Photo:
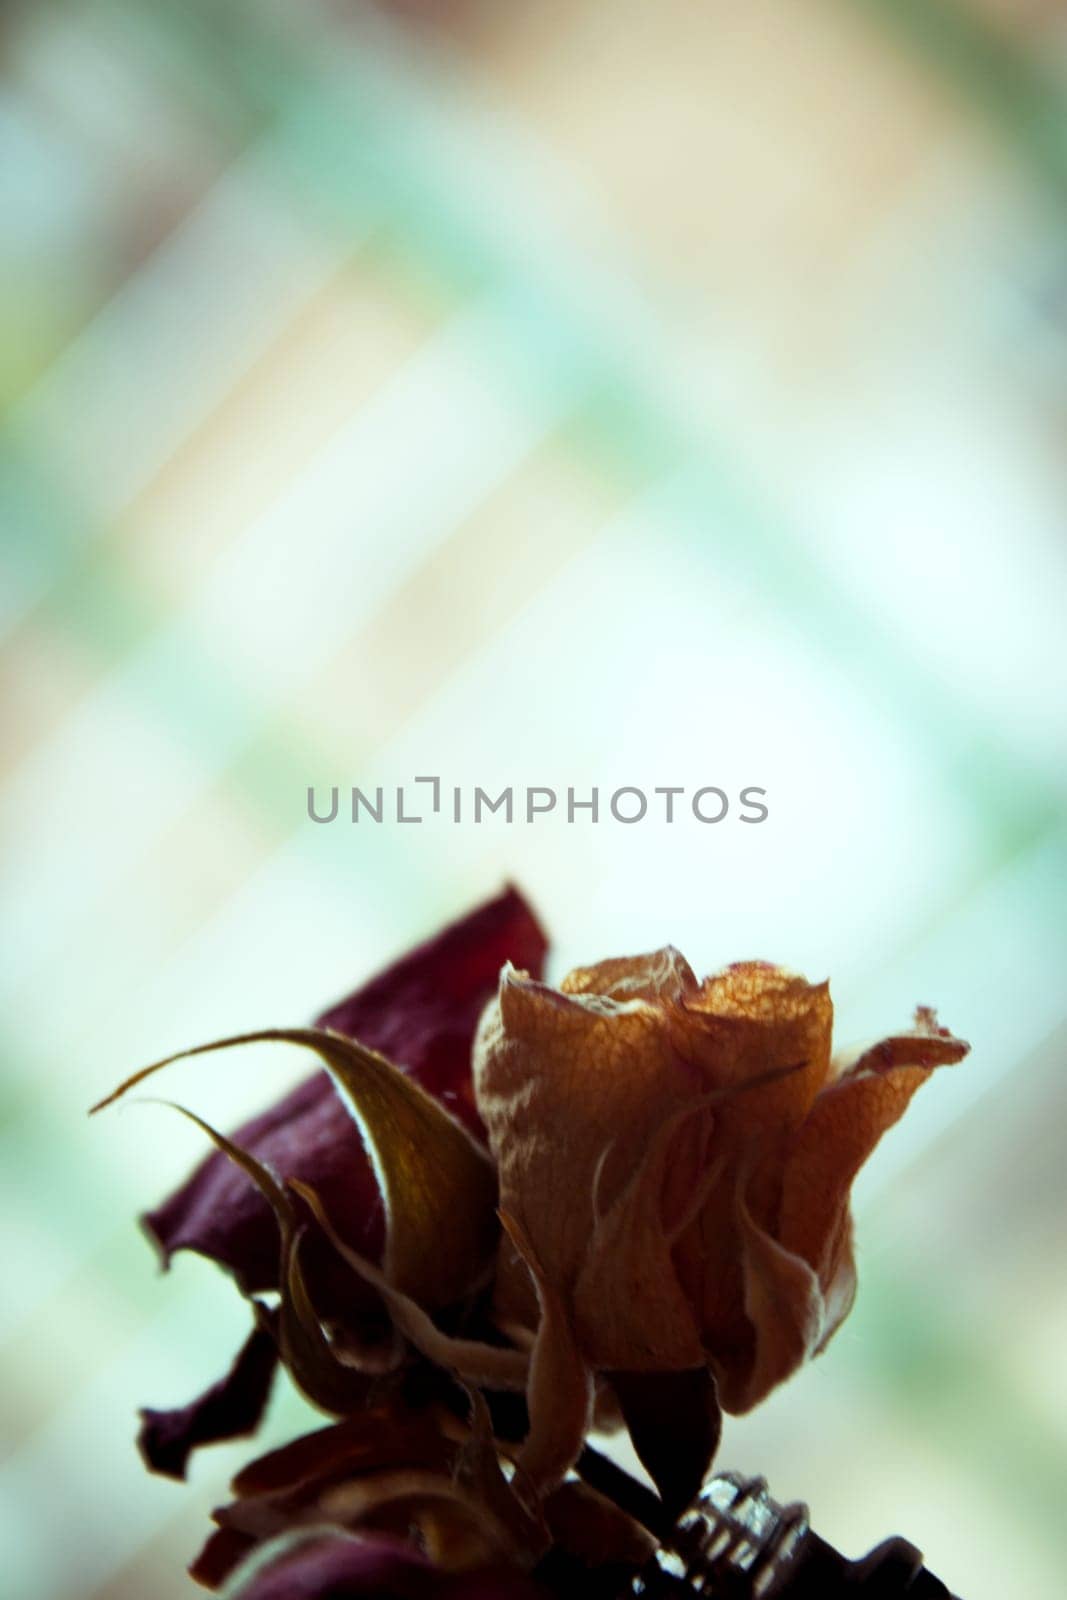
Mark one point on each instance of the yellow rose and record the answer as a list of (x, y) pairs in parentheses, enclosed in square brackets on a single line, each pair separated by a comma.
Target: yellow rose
[(678, 1158)]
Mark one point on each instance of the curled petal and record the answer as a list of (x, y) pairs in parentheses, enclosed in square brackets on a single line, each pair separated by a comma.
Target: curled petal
[(388, 1433), (217, 1213), (423, 1159), (421, 1013), (471, 1359), (631, 1312), (329, 1383), (559, 1392), (784, 1306), (843, 1127), (394, 1470), (288, 1486), (455, 1529), (231, 1407), (220, 1557)]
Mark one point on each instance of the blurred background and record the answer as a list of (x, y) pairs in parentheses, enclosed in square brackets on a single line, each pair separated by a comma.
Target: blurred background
[(535, 393)]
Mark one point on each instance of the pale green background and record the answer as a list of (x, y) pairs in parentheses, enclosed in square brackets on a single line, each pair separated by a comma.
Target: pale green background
[(536, 393)]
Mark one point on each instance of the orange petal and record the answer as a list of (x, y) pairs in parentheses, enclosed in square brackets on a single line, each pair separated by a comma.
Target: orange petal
[(784, 1305), (559, 1396), (661, 975), (768, 1018), (844, 1125), (571, 1087), (631, 1312)]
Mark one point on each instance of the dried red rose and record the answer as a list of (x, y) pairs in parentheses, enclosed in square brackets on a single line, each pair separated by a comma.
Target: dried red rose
[(421, 1013)]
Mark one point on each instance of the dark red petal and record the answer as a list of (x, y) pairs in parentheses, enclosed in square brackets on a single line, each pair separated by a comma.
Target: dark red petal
[(220, 1214), (340, 1566), (279, 1486), (343, 1566), (231, 1407), (388, 1434), (224, 1550), (421, 1013)]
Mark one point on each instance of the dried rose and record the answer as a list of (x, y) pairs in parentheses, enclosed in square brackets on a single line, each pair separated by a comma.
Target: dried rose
[(675, 1159), (421, 1013)]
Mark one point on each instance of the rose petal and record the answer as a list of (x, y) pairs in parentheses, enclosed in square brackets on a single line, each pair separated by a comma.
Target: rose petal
[(283, 1487), (680, 1157), (661, 975), (217, 1213), (397, 1468), (422, 1013), (839, 1133), (630, 1309), (425, 1161), (333, 1565), (221, 1555), (330, 1564), (303, 1346), (569, 1086), (785, 1310), (390, 1433), (559, 1393), (759, 1017), (231, 1407)]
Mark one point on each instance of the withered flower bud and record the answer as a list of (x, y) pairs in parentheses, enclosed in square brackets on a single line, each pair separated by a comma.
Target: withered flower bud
[(679, 1156)]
